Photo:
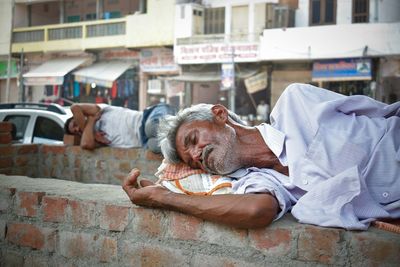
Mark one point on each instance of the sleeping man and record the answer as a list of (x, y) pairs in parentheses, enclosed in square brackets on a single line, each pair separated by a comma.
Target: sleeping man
[(331, 160)]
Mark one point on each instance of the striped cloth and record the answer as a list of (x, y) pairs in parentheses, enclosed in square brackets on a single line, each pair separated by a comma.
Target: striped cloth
[(171, 172)]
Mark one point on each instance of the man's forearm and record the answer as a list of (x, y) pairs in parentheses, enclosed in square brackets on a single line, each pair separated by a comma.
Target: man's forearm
[(88, 141), (242, 211), (82, 111)]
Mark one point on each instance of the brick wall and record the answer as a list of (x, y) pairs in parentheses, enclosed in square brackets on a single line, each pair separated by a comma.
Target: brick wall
[(55, 222), (104, 165), (50, 222)]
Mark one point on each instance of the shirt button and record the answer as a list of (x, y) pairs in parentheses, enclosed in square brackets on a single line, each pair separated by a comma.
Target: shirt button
[(305, 181), (385, 194)]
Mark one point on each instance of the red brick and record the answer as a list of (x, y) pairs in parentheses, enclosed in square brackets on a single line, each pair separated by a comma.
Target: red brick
[(77, 245), (108, 249), (27, 149), (5, 138), (56, 149), (21, 161), (28, 203), (5, 127), (29, 235), (120, 153), (54, 209), (6, 151), (149, 256), (185, 227), (133, 153), (377, 249), (318, 244), (153, 156), (275, 241), (83, 213), (124, 167), (6, 162), (114, 218), (147, 221), (74, 150)]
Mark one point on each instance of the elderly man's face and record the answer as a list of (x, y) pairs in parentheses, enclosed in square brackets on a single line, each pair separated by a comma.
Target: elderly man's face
[(74, 128), (208, 146)]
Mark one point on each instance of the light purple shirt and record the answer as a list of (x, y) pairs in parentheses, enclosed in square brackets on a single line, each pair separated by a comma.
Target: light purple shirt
[(343, 155)]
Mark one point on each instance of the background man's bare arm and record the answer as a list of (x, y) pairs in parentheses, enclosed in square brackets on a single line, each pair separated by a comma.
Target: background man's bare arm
[(82, 111), (88, 140), (242, 211)]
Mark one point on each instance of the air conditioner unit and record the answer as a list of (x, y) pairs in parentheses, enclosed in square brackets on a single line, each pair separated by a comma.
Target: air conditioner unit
[(155, 87)]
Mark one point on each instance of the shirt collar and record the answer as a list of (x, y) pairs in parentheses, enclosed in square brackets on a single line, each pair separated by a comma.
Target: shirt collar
[(274, 138)]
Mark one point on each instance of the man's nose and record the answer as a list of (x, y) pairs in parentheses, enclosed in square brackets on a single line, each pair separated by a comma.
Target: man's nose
[(195, 153)]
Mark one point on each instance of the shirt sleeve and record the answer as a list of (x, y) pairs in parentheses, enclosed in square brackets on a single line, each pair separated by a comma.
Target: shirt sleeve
[(265, 181)]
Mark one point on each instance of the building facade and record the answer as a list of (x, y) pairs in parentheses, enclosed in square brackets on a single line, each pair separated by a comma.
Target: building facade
[(94, 50), (350, 47)]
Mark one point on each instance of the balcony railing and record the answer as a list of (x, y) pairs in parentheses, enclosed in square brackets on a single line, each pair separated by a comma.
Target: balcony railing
[(65, 33), (105, 29), (56, 32), (28, 36), (219, 38)]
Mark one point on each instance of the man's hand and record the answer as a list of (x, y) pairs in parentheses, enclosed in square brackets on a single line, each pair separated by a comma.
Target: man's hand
[(242, 211), (100, 137), (142, 194)]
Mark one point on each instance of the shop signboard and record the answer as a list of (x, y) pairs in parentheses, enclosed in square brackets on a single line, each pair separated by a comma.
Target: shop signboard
[(4, 71), (349, 69), (227, 76), (158, 60), (40, 81), (256, 83), (216, 53)]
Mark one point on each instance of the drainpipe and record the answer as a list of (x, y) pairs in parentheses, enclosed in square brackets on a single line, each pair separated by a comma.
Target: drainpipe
[(62, 11), (376, 11), (10, 53)]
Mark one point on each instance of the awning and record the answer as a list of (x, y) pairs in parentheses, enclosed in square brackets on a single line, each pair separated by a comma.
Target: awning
[(52, 72), (102, 73), (214, 76)]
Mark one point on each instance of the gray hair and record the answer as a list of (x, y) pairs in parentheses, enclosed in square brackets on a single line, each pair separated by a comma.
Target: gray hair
[(169, 126)]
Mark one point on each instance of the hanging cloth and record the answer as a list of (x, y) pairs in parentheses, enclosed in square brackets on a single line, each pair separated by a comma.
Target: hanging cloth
[(87, 89), (55, 90), (114, 90), (77, 89)]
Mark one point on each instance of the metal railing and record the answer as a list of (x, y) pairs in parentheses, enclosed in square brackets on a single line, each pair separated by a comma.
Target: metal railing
[(68, 31), (65, 33), (28, 36), (105, 29)]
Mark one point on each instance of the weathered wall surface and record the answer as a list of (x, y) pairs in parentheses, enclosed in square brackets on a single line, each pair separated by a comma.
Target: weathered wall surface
[(83, 218), (50, 222)]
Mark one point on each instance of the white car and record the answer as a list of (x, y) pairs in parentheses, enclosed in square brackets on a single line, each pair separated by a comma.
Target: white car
[(36, 123)]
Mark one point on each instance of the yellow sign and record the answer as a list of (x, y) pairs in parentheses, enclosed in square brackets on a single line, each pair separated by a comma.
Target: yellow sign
[(256, 83)]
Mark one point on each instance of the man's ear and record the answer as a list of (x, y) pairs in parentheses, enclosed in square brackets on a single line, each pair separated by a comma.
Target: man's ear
[(220, 113)]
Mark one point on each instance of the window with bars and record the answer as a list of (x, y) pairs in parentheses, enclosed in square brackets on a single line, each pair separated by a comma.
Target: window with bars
[(360, 11), (322, 12), (214, 20)]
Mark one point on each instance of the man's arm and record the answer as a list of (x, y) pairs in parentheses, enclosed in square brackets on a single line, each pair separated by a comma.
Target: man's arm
[(88, 140), (82, 111), (242, 211)]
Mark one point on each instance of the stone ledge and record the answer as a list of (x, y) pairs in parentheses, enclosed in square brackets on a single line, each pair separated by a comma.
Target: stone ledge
[(69, 223)]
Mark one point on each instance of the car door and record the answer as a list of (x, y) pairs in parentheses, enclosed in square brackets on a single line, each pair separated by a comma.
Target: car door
[(47, 131), (21, 122)]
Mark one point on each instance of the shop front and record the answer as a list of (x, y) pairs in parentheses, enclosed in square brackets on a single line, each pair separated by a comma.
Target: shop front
[(350, 76), (157, 65), (9, 94), (112, 82), (51, 81)]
